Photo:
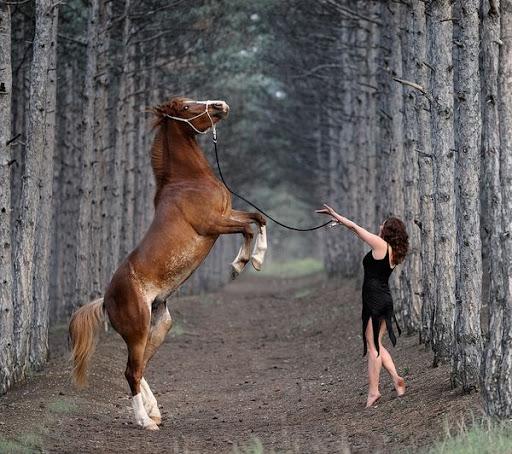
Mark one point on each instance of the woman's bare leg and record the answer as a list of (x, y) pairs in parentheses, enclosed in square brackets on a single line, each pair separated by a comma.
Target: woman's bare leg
[(374, 366), (388, 364)]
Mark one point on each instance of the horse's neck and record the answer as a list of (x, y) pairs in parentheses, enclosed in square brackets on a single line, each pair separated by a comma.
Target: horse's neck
[(182, 156)]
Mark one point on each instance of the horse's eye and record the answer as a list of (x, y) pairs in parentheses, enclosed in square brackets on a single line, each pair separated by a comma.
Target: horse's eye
[(185, 108)]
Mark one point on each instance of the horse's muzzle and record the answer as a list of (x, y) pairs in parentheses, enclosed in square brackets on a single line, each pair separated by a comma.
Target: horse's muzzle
[(220, 109)]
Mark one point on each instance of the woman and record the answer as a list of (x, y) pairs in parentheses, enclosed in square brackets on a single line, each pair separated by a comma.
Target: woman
[(389, 248)]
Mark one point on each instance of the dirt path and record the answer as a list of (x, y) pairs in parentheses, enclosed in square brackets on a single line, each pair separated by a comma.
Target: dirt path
[(270, 361)]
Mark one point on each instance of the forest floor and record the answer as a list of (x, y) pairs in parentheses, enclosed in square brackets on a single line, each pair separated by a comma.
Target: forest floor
[(265, 362)]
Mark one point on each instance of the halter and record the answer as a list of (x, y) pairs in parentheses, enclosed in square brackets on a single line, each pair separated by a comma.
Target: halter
[(189, 120)]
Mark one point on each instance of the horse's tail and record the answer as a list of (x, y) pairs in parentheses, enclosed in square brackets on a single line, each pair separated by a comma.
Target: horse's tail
[(83, 328)]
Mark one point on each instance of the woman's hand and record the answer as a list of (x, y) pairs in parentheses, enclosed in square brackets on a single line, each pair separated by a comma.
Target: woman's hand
[(331, 212)]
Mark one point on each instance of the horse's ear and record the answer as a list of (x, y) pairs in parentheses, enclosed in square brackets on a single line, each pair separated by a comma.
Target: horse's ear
[(159, 114), (159, 110)]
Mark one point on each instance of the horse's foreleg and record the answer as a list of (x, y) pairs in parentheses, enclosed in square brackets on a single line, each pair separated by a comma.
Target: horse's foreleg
[(161, 323), (244, 254), (260, 247), (228, 225)]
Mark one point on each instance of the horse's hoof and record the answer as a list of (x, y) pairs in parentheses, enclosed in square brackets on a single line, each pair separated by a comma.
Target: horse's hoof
[(234, 273), (151, 426), (156, 419), (256, 264)]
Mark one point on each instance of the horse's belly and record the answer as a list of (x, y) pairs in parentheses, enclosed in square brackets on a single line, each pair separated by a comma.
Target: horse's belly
[(172, 267)]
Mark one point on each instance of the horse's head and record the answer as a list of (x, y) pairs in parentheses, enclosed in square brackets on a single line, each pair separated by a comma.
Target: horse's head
[(194, 116)]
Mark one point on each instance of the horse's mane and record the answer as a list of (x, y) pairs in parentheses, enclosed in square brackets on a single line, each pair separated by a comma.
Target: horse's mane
[(161, 148)]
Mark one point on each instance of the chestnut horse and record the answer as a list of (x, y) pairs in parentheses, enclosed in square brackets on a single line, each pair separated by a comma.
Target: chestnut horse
[(192, 208)]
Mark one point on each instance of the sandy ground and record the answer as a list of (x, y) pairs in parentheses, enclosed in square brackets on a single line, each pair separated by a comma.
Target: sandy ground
[(271, 362)]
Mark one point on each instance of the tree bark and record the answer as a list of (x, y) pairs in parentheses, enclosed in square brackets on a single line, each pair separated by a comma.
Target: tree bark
[(468, 341), (439, 41), (118, 151), (41, 275), (410, 278), (87, 278), (423, 154), (6, 302), (24, 234), (102, 144), (497, 171)]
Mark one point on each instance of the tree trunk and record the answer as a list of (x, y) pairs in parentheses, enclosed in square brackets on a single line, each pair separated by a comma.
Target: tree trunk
[(497, 171), (41, 275), (439, 39), (410, 278), (118, 151), (468, 341), (395, 166), (24, 235), (425, 176), (87, 276), (6, 302), (128, 210), (102, 145)]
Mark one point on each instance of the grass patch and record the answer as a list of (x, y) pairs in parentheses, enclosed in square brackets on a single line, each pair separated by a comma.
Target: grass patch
[(62, 406), (485, 437), (177, 329), (207, 300), (293, 268), (302, 293), (26, 443), (254, 446)]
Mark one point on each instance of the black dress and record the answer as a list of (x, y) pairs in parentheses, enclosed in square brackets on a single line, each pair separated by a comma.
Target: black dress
[(377, 300)]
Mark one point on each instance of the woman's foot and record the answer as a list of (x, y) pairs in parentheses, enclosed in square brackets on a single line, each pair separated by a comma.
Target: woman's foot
[(400, 386), (372, 399)]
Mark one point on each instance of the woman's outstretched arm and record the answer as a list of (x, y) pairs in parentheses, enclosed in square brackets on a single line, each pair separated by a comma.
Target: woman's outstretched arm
[(374, 241)]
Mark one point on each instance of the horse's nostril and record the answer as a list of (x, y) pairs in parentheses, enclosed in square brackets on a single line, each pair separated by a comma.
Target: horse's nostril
[(218, 105)]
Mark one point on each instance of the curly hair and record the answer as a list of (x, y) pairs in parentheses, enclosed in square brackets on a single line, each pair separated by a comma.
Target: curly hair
[(393, 231)]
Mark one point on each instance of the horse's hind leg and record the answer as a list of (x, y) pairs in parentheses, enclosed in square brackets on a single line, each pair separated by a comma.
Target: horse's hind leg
[(161, 323), (134, 375), (130, 317)]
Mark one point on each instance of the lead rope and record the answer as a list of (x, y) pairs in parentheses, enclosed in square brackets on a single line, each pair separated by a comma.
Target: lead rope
[(252, 204)]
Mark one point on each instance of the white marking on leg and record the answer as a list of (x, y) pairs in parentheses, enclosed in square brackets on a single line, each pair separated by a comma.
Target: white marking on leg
[(238, 264), (260, 247), (150, 403), (141, 416)]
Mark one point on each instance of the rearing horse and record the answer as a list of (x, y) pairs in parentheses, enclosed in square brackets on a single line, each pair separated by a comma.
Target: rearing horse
[(192, 208)]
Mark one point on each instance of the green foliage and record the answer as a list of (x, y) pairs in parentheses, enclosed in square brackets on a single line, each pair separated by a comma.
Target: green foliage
[(178, 328), (254, 446), (24, 443), (62, 406), (294, 268), (485, 437)]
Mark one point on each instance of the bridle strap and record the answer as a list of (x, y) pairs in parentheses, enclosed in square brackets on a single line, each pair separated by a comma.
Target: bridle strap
[(189, 120)]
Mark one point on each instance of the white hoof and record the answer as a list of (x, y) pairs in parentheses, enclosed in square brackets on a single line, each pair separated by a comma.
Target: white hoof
[(234, 272), (152, 426), (256, 263), (141, 416), (155, 414), (157, 420)]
